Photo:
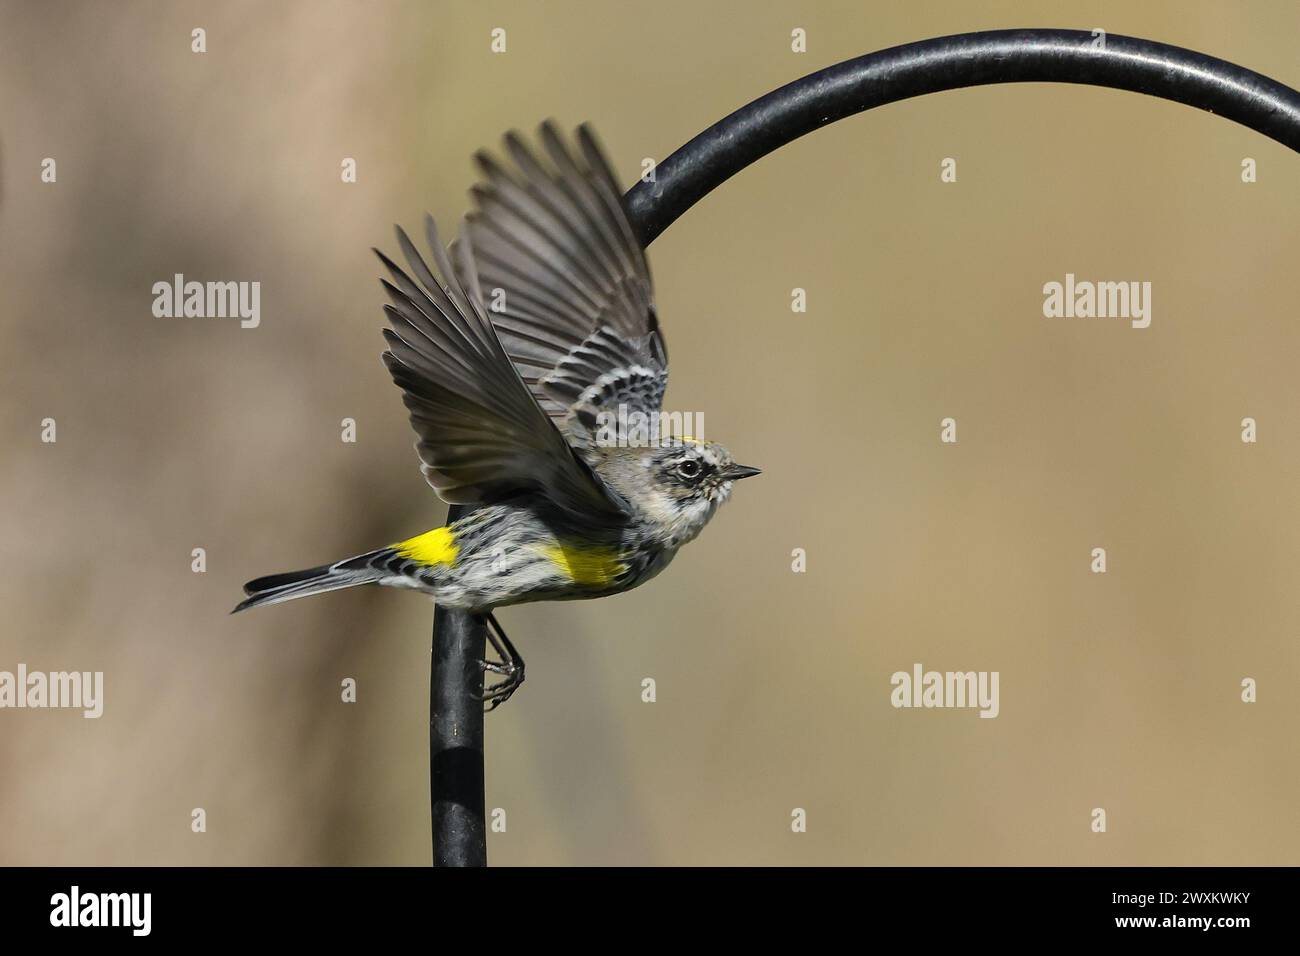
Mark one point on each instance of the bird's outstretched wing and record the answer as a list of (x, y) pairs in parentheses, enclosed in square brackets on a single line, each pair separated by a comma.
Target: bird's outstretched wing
[(482, 435), (565, 279)]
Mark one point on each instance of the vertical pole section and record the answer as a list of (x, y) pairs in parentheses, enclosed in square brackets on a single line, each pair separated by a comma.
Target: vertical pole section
[(456, 736)]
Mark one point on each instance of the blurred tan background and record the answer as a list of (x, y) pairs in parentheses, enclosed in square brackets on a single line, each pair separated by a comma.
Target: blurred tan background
[(924, 301)]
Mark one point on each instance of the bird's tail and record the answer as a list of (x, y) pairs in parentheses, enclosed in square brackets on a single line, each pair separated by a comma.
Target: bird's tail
[(363, 569)]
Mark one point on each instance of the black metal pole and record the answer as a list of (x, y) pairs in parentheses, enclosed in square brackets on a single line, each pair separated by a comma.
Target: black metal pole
[(950, 63), (721, 151), (456, 736)]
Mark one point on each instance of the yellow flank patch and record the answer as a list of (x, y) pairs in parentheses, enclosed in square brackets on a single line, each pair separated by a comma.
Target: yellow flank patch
[(589, 566), (433, 547)]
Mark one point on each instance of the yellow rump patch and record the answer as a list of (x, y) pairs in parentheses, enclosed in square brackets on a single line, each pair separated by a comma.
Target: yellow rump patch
[(588, 566), (433, 547)]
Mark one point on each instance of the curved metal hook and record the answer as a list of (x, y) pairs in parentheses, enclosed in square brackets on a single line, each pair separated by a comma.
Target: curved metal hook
[(753, 131), (950, 63)]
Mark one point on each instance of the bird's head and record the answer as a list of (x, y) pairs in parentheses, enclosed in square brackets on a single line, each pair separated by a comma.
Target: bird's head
[(677, 484)]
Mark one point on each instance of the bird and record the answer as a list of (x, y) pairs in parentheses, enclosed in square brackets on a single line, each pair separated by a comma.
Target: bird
[(537, 331)]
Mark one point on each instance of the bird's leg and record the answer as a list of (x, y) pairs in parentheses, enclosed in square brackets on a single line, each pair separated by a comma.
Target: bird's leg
[(511, 666), (501, 644)]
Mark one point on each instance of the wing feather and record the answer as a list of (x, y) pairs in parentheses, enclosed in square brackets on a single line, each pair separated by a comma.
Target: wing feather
[(482, 436), (550, 232)]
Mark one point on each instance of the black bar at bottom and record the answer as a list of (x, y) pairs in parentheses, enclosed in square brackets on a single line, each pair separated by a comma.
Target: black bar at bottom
[(923, 907)]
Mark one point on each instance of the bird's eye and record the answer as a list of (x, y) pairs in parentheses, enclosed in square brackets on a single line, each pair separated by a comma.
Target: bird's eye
[(689, 469)]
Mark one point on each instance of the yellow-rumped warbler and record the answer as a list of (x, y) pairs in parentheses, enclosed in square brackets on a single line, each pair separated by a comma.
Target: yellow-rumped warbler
[(508, 392)]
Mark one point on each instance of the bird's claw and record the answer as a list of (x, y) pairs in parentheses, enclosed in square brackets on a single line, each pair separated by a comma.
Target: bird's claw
[(498, 694)]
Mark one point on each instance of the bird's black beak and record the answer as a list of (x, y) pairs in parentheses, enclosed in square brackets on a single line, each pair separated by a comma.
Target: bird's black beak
[(736, 472)]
